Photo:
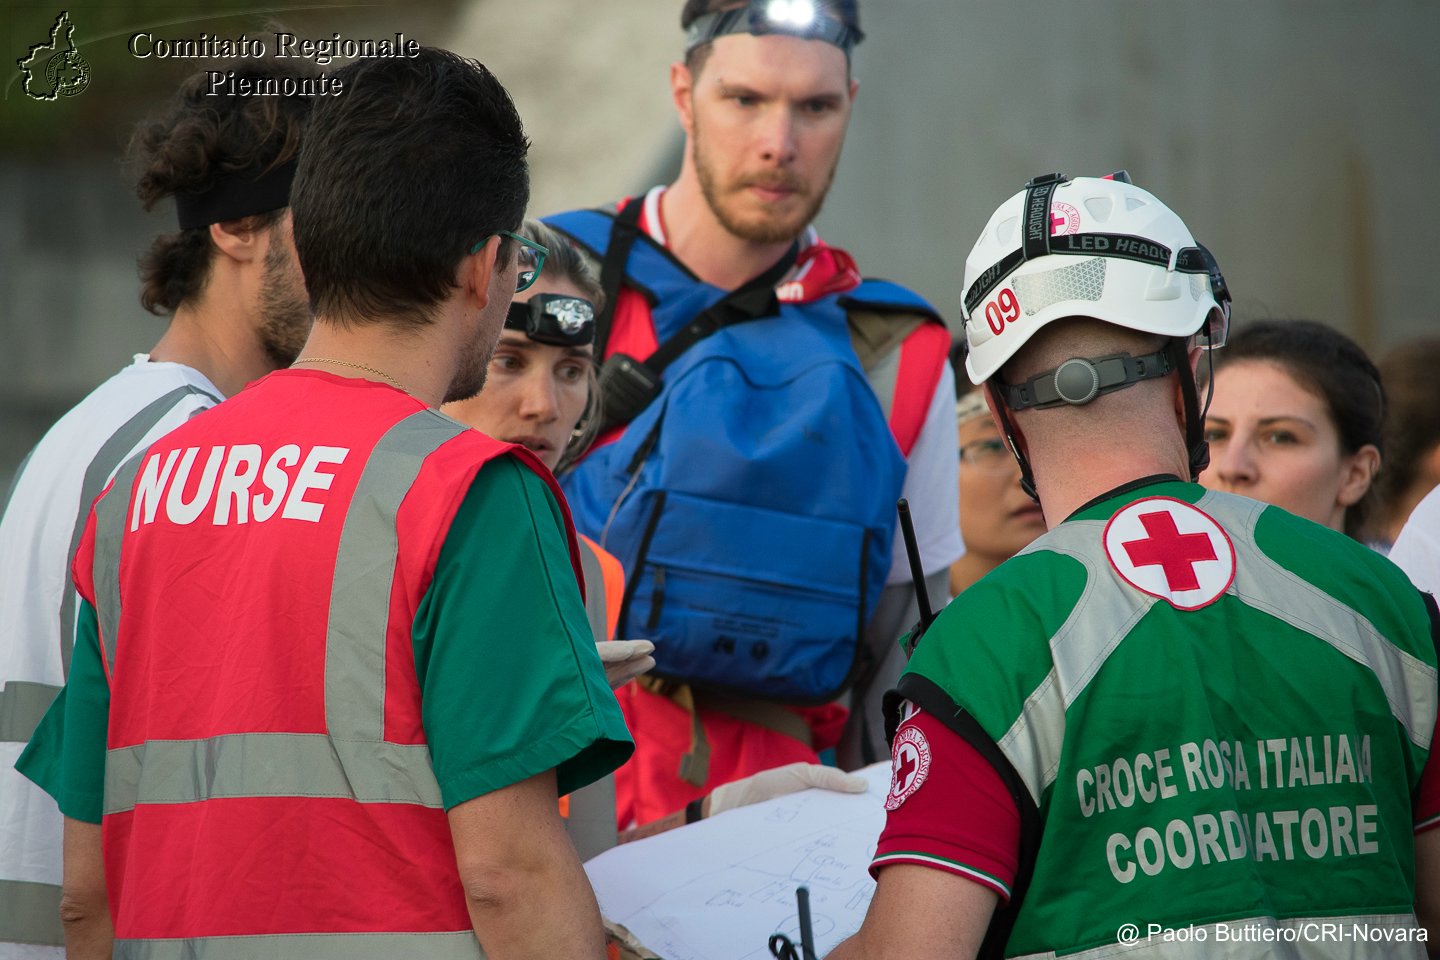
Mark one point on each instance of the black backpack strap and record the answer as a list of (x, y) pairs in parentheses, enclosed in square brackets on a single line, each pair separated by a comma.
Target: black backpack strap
[(623, 232), (628, 385)]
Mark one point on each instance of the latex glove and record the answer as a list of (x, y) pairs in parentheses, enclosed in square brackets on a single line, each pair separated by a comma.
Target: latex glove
[(769, 784), (625, 660)]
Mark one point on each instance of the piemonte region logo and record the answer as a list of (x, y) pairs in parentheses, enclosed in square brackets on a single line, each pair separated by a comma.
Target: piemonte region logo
[(65, 73)]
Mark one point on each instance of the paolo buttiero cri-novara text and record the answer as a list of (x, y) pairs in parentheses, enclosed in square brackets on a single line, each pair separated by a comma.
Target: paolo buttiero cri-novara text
[(145, 45)]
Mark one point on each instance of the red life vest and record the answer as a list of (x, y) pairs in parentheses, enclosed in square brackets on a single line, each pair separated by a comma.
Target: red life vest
[(256, 574)]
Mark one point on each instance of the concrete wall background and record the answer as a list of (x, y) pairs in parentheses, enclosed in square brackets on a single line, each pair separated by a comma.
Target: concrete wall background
[(1295, 139), (1298, 140)]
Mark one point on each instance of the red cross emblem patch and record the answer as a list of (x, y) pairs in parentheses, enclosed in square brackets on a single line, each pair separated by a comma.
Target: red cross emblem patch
[(1063, 218), (909, 765), (1172, 550)]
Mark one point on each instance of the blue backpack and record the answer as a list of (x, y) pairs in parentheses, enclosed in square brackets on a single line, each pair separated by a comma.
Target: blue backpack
[(752, 499)]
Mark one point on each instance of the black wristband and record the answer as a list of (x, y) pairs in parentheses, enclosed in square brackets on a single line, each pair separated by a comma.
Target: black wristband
[(694, 810)]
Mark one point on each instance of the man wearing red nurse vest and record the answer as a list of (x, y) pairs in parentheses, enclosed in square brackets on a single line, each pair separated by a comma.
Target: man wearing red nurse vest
[(319, 621)]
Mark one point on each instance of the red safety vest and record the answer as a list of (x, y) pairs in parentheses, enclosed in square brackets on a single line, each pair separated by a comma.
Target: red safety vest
[(256, 574)]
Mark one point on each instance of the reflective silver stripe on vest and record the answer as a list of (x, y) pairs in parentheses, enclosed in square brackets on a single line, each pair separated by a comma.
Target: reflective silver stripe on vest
[(30, 913), (591, 820), (107, 459), (1409, 683), (111, 514), (364, 575), (309, 946), (1106, 612), (22, 706), (595, 594), (352, 761), (267, 765), (1299, 938), (1109, 609)]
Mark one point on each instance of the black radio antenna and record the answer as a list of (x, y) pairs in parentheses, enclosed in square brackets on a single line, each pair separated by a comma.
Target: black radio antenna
[(917, 573)]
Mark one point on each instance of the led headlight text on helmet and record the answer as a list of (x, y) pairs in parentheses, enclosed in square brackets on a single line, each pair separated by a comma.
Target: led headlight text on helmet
[(1038, 241)]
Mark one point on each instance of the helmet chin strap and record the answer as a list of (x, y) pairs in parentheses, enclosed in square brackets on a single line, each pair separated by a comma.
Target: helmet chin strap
[(1195, 442), (1027, 477)]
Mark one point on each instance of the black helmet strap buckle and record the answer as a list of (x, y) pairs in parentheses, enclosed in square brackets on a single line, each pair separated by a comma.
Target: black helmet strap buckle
[(1079, 380)]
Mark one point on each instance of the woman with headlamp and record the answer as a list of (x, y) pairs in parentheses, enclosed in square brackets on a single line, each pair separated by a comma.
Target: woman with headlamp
[(540, 392), (537, 392)]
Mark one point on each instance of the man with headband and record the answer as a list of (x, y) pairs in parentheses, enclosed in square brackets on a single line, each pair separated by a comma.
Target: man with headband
[(746, 475), (340, 635), (236, 304)]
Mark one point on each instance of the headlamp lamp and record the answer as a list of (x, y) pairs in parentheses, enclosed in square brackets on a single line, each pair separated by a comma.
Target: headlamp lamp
[(555, 319), (795, 18)]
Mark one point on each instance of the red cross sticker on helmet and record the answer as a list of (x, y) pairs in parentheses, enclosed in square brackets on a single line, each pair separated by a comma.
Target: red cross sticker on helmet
[(1064, 219), (1172, 550)]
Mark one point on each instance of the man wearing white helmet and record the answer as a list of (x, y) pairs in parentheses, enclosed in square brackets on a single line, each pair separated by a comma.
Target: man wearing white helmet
[(1180, 723)]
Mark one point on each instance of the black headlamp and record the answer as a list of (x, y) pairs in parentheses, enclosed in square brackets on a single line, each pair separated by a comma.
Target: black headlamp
[(554, 318), (795, 18)]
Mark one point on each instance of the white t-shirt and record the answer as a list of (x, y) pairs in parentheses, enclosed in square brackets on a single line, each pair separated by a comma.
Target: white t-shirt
[(1417, 549), (932, 481), (40, 528)]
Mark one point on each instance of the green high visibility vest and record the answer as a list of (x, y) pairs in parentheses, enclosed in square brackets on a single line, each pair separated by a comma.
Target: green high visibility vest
[(1212, 715)]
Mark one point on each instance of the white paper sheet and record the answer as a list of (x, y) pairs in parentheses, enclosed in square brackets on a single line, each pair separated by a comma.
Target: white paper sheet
[(717, 890)]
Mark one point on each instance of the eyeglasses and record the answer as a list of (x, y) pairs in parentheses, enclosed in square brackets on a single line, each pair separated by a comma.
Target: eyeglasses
[(990, 454), (530, 260)]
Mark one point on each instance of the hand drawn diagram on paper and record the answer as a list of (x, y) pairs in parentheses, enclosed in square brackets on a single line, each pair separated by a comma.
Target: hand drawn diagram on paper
[(718, 889)]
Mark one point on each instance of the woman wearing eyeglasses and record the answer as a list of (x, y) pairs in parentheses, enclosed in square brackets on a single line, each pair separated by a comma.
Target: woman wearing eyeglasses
[(997, 519)]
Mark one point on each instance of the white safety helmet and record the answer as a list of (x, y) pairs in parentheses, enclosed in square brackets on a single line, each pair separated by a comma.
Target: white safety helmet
[(1093, 247)]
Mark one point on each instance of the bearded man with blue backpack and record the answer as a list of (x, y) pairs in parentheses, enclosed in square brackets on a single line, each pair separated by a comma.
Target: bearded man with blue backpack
[(764, 408)]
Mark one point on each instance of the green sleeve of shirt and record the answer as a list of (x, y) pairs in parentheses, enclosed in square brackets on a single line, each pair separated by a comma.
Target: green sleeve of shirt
[(66, 756), (510, 682)]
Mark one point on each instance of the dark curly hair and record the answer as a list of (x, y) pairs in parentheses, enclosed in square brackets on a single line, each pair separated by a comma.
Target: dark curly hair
[(191, 142)]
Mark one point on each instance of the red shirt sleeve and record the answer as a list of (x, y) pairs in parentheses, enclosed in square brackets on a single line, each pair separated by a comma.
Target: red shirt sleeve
[(1427, 796), (948, 808)]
